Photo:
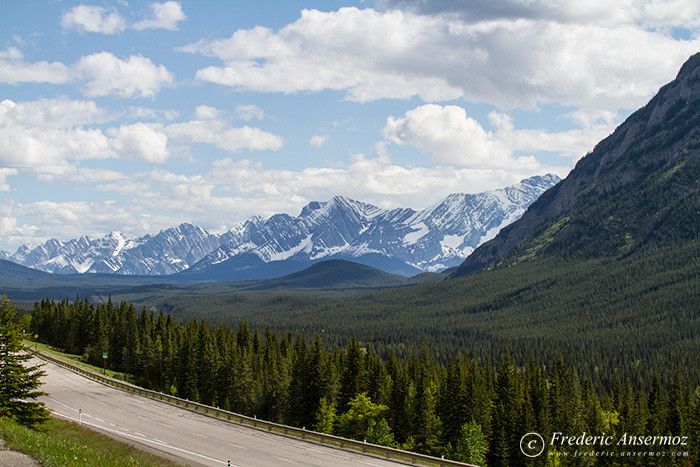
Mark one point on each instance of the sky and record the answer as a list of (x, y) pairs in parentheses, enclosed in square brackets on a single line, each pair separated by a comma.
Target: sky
[(136, 115)]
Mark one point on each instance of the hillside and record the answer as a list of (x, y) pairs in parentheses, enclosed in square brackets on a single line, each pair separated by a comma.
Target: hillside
[(336, 274), (27, 284), (637, 187)]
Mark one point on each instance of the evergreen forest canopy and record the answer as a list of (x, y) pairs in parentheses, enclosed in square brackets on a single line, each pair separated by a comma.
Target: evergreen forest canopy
[(463, 409), (630, 316)]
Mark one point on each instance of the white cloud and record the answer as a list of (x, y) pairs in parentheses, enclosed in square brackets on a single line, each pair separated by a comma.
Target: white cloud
[(55, 113), (448, 134), (318, 141), (37, 222), (650, 13), (136, 77), (46, 137), (371, 180), (87, 18), (573, 143), (140, 142), (221, 134), (13, 70), (234, 190), (103, 74), (249, 112), (454, 138), (4, 173), (165, 16), (7, 225), (12, 53), (205, 112), (510, 62)]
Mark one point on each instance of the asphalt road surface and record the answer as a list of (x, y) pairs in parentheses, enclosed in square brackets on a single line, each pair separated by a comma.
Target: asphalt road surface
[(191, 438)]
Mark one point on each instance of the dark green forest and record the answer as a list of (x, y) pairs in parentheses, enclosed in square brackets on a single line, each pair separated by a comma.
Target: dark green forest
[(627, 316), (452, 405)]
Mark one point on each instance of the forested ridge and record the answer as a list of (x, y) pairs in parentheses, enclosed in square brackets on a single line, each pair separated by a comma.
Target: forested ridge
[(623, 317), (455, 406)]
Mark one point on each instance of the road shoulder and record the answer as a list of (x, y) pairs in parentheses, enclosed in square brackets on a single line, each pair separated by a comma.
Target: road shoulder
[(10, 458)]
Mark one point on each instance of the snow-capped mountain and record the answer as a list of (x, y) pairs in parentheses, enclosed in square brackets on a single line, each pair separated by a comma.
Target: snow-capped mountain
[(168, 252), (432, 239), (402, 240)]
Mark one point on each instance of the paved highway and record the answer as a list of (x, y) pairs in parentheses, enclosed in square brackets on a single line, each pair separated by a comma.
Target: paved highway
[(192, 438)]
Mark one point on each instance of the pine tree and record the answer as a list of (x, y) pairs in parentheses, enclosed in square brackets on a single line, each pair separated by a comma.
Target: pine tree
[(18, 383)]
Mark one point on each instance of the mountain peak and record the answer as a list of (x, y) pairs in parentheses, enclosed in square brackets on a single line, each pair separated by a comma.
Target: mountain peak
[(309, 208)]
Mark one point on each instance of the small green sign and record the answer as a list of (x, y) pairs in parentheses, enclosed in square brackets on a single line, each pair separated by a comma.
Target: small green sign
[(104, 354)]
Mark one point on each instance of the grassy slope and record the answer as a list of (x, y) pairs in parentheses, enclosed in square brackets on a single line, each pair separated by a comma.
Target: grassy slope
[(63, 443)]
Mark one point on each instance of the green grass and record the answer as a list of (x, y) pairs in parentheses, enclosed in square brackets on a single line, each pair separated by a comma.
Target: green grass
[(63, 443)]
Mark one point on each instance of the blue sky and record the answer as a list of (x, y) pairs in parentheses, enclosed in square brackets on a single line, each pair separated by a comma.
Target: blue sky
[(138, 115)]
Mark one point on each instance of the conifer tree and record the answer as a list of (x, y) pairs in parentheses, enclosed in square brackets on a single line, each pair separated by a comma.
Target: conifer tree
[(503, 439), (325, 417), (19, 383), (470, 445)]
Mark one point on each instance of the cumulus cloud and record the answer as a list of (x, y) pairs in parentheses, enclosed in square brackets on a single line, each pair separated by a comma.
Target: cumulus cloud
[(140, 142), (13, 69), (87, 18), (516, 62), (45, 137), (164, 16), (454, 138), (318, 141), (136, 77), (103, 73), (48, 132)]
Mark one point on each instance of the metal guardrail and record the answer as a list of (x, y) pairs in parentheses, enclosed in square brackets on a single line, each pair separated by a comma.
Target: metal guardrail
[(308, 435)]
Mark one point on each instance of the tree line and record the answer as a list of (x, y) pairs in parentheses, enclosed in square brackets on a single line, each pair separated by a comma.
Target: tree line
[(460, 408)]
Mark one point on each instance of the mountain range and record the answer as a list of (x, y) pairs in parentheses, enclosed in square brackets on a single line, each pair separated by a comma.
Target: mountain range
[(401, 241)]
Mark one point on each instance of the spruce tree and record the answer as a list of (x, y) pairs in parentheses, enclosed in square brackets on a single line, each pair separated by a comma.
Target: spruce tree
[(19, 383)]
